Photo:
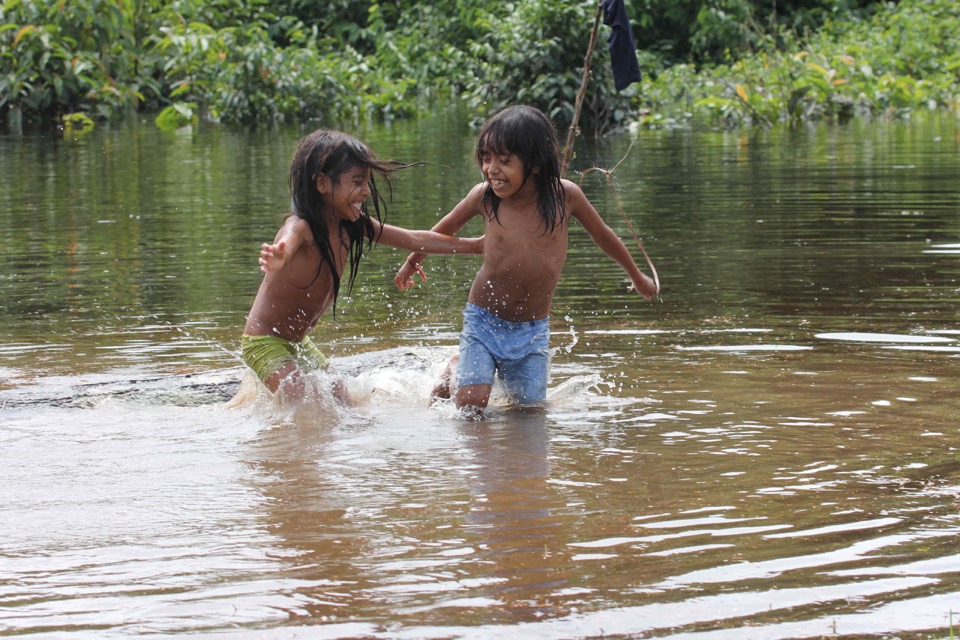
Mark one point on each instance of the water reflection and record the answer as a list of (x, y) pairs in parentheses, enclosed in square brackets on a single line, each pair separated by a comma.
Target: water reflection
[(314, 514), (431, 515), (516, 519), (769, 452)]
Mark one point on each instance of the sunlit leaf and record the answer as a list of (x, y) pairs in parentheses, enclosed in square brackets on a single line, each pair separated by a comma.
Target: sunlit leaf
[(22, 32)]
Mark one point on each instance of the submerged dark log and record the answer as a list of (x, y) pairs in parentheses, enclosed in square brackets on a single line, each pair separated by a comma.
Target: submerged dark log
[(177, 390)]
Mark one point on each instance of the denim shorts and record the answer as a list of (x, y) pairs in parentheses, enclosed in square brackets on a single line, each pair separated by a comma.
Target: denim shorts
[(518, 351)]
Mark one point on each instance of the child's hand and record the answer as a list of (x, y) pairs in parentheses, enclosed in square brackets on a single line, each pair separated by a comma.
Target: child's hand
[(404, 278), (272, 256), (645, 286)]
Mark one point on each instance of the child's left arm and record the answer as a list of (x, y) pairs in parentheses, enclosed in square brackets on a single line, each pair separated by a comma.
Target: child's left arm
[(423, 241), (608, 241)]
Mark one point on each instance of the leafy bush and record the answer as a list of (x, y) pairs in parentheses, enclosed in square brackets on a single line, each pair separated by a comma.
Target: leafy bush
[(716, 31), (62, 57), (535, 54), (901, 59), (265, 61)]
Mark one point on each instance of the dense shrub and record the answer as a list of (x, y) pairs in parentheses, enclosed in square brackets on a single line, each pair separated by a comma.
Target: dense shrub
[(64, 56), (717, 31), (263, 61), (535, 55), (902, 58)]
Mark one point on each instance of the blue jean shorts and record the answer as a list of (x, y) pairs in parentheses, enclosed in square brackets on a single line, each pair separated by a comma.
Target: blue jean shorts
[(518, 351)]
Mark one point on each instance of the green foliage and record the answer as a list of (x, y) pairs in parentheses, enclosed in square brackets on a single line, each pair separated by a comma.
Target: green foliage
[(343, 22), (68, 56), (424, 44), (715, 31), (77, 124), (265, 61), (238, 74), (534, 54), (179, 114), (901, 59)]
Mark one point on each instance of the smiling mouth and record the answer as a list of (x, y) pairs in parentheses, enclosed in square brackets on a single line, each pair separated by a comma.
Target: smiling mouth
[(498, 184)]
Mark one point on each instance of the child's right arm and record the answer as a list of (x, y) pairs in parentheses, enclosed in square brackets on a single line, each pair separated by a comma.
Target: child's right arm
[(288, 240), (449, 225)]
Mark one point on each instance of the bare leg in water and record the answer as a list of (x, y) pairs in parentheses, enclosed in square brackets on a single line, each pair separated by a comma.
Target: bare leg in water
[(472, 398), (441, 390), (290, 377)]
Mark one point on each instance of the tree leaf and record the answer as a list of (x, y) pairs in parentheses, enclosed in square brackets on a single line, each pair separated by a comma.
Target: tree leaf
[(22, 32)]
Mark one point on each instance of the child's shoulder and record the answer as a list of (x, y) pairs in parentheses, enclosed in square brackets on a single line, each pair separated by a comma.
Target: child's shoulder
[(575, 199), (297, 224), (295, 230), (474, 197), (477, 190), (571, 190)]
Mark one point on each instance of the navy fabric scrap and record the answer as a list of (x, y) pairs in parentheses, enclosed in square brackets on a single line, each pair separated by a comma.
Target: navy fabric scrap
[(623, 48)]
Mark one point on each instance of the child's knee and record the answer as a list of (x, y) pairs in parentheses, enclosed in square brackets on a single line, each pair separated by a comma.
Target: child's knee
[(287, 376), (474, 396)]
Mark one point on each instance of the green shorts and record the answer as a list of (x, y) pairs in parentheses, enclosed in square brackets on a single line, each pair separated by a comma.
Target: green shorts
[(266, 354)]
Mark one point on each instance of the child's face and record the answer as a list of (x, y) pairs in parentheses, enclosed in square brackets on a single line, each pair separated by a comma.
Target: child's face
[(505, 174), (345, 198)]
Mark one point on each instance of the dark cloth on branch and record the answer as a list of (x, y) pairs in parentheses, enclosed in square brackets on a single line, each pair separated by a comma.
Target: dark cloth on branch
[(623, 48)]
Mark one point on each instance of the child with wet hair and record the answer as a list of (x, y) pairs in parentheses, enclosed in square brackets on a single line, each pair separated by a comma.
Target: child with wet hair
[(526, 209), (332, 183)]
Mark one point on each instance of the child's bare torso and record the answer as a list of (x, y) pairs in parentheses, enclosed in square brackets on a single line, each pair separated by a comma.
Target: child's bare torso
[(522, 262), (292, 300)]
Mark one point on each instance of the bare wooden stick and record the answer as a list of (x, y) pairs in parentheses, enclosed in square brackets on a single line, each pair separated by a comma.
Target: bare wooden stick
[(578, 105), (572, 134), (608, 174)]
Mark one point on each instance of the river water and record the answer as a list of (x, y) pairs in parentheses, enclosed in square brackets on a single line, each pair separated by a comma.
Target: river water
[(767, 451)]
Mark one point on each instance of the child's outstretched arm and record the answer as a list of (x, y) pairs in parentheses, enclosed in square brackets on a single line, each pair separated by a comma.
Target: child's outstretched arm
[(288, 240), (424, 242), (608, 241), (450, 224)]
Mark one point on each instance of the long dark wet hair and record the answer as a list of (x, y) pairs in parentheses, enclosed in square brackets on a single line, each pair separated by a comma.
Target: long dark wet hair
[(333, 153), (527, 133)]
